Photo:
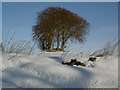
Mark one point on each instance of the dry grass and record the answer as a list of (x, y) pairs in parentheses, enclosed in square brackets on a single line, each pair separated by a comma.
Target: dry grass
[(10, 45), (110, 48)]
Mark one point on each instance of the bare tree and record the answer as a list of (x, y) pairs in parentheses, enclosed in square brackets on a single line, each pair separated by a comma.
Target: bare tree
[(56, 25)]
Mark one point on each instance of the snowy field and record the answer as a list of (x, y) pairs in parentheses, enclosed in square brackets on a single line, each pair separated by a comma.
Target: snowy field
[(44, 70)]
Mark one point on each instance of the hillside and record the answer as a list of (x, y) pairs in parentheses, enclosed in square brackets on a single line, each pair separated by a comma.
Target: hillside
[(44, 70)]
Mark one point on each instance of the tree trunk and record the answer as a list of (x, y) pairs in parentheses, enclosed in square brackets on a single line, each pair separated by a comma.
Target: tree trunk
[(46, 48), (64, 45), (51, 43), (58, 41), (43, 45), (63, 40)]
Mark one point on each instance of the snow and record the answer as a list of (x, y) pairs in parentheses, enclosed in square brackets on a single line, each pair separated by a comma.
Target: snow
[(44, 70)]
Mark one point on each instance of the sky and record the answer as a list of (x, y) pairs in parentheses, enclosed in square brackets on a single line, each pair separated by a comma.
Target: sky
[(19, 17)]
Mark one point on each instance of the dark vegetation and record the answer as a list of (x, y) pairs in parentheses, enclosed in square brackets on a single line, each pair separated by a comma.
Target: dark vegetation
[(78, 63), (55, 26), (73, 62), (92, 58)]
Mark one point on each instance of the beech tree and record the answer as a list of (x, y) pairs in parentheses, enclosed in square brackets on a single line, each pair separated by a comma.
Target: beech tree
[(55, 26)]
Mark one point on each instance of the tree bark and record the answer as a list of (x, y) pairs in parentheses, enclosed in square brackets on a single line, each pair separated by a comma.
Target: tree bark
[(51, 43), (48, 44), (58, 41), (43, 45), (64, 45), (63, 39)]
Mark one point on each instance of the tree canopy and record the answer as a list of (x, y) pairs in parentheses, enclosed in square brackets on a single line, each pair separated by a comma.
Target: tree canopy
[(56, 25)]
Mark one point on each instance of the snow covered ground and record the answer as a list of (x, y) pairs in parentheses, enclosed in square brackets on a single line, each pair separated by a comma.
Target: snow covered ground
[(44, 70)]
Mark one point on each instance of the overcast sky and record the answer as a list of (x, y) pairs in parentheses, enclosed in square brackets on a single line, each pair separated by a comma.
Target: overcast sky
[(103, 18)]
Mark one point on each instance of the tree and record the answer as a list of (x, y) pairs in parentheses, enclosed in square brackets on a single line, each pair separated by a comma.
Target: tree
[(57, 25)]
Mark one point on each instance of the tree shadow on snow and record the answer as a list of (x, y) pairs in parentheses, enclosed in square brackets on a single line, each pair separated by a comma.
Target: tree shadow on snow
[(20, 76), (84, 80), (81, 82), (57, 59)]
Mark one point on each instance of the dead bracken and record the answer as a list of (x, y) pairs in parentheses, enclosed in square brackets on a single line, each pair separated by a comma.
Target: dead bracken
[(73, 62), (92, 59)]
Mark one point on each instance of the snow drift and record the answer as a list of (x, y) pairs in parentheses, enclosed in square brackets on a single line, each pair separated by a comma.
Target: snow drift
[(44, 70)]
